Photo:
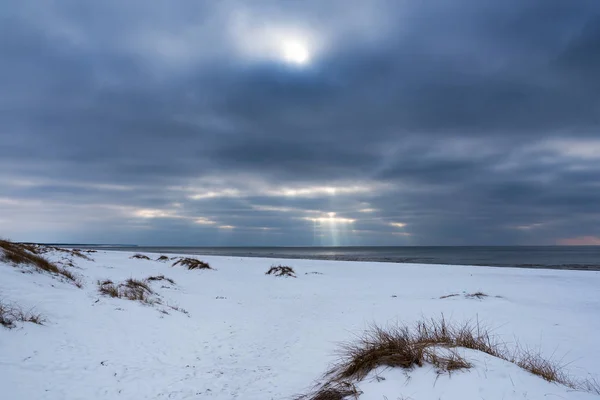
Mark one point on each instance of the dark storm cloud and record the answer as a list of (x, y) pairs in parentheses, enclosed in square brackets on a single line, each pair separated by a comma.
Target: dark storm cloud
[(471, 122)]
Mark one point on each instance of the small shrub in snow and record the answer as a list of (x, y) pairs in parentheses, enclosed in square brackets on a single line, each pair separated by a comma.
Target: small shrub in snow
[(337, 391), (191, 263), (161, 278), (11, 313), (476, 295), (162, 259), (131, 289), (180, 309), (281, 270), (108, 288), (449, 295), (140, 257), (137, 290)]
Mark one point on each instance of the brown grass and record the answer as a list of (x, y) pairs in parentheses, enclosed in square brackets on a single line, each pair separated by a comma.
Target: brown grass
[(140, 257), (163, 259), (281, 270), (177, 308), (191, 263), (108, 288), (449, 295), (11, 313), (433, 342), (19, 254), (337, 391), (476, 295), (161, 278), (130, 289)]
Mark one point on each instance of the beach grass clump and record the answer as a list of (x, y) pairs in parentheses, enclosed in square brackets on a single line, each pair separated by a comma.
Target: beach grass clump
[(434, 342), (130, 289), (160, 278), (282, 271), (449, 295), (139, 257), (108, 288), (163, 258), (476, 295), (191, 263), (19, 254), (11, 313), (336, 391)]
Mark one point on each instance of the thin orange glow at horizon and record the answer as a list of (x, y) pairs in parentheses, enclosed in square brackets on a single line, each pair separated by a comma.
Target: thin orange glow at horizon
[(580, 241)]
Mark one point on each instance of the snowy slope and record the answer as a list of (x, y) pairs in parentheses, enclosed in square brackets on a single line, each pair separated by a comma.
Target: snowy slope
[(255, 337)]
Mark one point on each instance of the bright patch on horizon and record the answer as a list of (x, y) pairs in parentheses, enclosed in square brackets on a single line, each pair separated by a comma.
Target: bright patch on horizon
[(319, 191), (580, 241), (154, 213), (295, 52), (204, 221), (398, 224), (330, 219)]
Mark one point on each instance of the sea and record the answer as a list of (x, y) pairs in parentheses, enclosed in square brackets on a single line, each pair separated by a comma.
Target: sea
[(552, 257)]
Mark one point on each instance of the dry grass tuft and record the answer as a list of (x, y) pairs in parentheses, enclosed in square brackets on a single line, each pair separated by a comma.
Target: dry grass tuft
[(76, 280), (177, 308), (449, 295), (140, 257), (161, 278), (337, 391), (131, 289), (108, 288), (535, 363), (476, 295), (162, 259), (28, 254), (281, 270), (378, 347), (591, 385), (11, 313), (79, 253), (433, 342), (191, 263)]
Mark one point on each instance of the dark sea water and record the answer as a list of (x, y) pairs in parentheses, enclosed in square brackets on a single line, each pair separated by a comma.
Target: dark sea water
[(555, 257)]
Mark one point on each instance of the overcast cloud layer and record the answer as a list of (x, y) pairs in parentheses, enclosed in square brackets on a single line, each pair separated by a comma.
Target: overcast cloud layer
[(414, 123)]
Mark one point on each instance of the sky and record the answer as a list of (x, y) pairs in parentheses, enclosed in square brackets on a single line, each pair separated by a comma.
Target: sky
[(300, 122)]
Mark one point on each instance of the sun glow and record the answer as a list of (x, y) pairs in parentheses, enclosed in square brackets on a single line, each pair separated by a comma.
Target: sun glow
[(329, 228), (295, 52)]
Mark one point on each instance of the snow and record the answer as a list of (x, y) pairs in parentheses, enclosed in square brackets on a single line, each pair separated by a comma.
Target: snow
[(250, 336)]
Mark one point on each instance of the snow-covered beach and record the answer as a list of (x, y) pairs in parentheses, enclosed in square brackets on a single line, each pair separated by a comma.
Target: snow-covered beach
[(236, 333)]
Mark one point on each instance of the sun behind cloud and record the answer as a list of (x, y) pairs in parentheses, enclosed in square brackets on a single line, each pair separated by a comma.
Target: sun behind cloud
[(295, 52)]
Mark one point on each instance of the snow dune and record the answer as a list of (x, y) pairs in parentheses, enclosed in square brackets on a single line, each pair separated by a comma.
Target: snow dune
[(251, 336)]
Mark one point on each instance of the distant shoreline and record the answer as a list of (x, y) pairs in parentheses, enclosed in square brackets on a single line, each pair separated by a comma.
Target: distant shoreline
[(580, 258)]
